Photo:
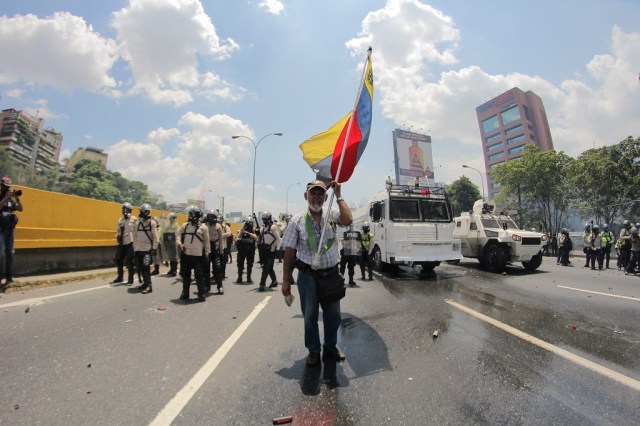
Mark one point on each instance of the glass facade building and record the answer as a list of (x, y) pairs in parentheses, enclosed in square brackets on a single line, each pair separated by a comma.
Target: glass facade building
[(507, 123)]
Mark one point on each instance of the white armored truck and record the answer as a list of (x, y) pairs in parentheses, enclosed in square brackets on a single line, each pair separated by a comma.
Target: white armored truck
[(496, 241), (413, 226)]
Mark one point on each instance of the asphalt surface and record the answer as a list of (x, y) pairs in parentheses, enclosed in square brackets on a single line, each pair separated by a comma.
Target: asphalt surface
[(92, 353)]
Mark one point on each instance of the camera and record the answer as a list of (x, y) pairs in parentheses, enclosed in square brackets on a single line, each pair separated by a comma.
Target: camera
[(17, 192)]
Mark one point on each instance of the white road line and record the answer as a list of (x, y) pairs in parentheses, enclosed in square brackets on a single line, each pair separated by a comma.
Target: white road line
[(35, 301), (601, 294), (180, 400), (620, 378)]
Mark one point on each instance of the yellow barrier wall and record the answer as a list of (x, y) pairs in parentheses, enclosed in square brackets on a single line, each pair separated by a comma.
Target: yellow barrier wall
[(53, 220)]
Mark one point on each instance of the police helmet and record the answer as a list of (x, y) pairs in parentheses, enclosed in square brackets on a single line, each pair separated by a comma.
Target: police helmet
[(194, 214), (220, 218), (145, 211), (365, 226), (634, 230), (587, 226), (212, 216), (267, 218), (627, 223), (596, 228), (605, 227), (637, 225), (172, 216), (127, 208)]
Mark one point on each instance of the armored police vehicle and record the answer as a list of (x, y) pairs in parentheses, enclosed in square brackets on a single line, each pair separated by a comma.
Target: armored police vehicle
[(495, 240), (412, 226)]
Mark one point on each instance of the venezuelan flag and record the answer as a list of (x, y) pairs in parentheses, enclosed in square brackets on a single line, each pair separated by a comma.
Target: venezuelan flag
[(323, 151)]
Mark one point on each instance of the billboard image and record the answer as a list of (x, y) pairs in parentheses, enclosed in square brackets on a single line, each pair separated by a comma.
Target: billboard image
[(413, 157)]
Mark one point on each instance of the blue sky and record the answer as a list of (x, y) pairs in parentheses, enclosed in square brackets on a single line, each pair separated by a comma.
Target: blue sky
[(162, 85)]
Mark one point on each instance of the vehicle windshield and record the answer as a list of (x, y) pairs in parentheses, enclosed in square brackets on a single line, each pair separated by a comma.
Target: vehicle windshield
[(509, 222), (490, 223), (420, 210)]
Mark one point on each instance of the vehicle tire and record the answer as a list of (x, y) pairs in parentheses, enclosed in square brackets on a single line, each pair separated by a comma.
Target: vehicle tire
[(534, 263), (429, 266), (495, 258), (453, 262)]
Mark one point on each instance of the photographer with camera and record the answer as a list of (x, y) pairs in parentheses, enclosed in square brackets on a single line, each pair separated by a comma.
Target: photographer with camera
[(9, 203)]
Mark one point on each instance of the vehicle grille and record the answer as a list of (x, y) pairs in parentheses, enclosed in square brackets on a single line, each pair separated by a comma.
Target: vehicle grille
[(420, 235), (530, 241)]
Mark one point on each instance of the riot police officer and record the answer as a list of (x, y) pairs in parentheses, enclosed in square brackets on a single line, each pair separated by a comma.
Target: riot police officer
[(365, 241), (246, 244), (169, 247), (195, 248), (124, 236), (214, 265), (586, 239), (269, 241), (625, 244), (145, 245)]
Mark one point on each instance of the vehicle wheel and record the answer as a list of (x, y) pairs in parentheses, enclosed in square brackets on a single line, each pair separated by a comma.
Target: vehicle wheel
[(495, 258), (378, 264), (534, 263), (453, 262)]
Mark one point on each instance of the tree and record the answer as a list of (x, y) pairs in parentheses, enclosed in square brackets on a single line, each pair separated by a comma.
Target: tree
[(604, 180), (462, 194), (537, 185)]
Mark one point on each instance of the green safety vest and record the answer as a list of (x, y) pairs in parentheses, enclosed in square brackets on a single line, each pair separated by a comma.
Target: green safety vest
[(366, 240), (313, 245)]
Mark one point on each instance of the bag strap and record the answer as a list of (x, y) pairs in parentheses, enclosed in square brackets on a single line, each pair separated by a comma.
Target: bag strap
[(313, 245)]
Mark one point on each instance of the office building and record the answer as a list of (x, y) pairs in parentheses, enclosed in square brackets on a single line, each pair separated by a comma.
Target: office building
[(88, 153), (31, 145), (507, 123)]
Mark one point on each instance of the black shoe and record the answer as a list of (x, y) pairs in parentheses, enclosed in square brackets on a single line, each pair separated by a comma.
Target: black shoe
[(362, 278), (207, 289), (147, 290), (249, 281), (239, 280), (370, 278), (202, 298), (171, 274), (273, 284), (220, 289), (141, 287), (352, 283), (313, 359), (333, 353), (261, 288), (184, 296), (155, 272), (118, 280)]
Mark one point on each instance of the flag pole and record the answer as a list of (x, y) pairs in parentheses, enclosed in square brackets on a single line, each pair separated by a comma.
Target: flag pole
[(316, 257)]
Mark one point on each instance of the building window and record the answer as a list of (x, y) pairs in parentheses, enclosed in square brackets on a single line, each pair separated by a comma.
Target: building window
[(493, 138), (532, 137), (526, 113), (490, 124), (513, 129), (493, 165), (510, 115), (496, 155), (494, 146), (515, 139), (516, 149)]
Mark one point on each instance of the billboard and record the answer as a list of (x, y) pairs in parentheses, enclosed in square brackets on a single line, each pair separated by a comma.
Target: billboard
[(413, 157)]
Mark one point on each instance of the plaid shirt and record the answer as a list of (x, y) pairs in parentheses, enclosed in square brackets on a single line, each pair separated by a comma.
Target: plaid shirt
[(295, 237)]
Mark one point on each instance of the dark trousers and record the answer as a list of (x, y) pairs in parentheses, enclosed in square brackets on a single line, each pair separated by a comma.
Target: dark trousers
[(124, 257), (633, 261), (587, 254), (596, 255), (248, 255), (197, 265), (625, 254), (268, 258), (145, 270), (606, 253), (214, 265), (6, 253), (366, 262), (348, 262), (564, 255)]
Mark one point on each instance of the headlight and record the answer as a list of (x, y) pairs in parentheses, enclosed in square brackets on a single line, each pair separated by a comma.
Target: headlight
[(490, 233), (544, 237), (516, 237)]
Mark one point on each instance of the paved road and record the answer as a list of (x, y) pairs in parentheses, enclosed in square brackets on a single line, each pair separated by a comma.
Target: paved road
[(557, 346)]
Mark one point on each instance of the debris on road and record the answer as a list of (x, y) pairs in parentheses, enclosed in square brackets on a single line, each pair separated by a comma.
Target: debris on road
[(435, 334)]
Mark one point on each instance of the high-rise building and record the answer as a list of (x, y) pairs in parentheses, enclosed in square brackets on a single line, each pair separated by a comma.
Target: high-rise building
[(88, 153), (507, 123), (28, 142)]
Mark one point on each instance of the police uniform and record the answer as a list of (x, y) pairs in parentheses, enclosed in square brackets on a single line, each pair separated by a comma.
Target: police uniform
[(168, 245), (214, 265), (195, 247), (269, 241), (246, 244), (145, 245), (9, 203), (350, 250), (124, 254), (366, 261)]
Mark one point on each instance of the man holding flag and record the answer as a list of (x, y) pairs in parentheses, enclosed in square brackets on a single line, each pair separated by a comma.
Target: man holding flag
[(309, 244)]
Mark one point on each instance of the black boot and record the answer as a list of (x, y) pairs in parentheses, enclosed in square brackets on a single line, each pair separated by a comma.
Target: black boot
[(130, 279), (148, 289), (173, 267), (156, 270), (239, 280)]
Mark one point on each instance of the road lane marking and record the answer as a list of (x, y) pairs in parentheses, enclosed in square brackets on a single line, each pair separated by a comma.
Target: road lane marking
[(180, 400), (36, 301), (583, 362), (601, 294)]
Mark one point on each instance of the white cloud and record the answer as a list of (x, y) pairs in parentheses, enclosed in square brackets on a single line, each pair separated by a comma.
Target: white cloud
[(417, 82), (61, 51), (14, 93), (162, 39), (274, 7)]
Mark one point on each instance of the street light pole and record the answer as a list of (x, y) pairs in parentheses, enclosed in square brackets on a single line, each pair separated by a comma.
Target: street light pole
[(287, 205), (481, 178), (255, 155)]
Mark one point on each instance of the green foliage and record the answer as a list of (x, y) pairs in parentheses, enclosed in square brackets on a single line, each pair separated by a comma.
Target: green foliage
[(462, 194)]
